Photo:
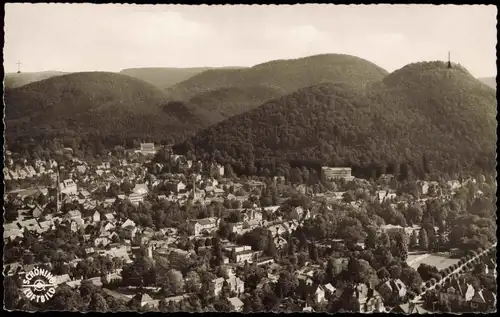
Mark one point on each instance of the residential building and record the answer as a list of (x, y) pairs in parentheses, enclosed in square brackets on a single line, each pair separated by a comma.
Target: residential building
[(127, 223), (136, 198), (37, 211), (140, 189), (383, 195), (410, 308), (319, 294), (147, 148), (109, 217), (392, 289), (68, 187), (83, 194), (175, 186), (143, 300), (206, 224), (177, 258), (216, 286), (244, 256), (96, 217), (236, 227), (129, 232), (483, 301), (236, 304), (74, 215), (365, 299)]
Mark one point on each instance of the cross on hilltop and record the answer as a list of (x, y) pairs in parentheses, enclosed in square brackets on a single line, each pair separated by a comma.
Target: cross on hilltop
[(18, 67)]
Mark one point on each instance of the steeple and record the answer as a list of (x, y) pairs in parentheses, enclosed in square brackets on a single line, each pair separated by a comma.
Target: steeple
[(449, 60)]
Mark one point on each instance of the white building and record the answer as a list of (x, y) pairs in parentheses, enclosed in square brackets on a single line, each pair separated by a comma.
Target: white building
[(68, 187), (334, 173), (147, 148)]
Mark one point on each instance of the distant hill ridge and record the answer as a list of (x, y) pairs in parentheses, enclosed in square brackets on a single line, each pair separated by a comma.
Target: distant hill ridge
[(285, 75), (165, 77), (490, 81), (14, 80), (421, 112)]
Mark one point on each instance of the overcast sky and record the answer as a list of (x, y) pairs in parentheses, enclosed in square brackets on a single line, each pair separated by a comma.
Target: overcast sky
[(86, 37)]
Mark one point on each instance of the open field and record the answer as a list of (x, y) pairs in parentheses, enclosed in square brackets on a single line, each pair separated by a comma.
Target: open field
[(441, 262)]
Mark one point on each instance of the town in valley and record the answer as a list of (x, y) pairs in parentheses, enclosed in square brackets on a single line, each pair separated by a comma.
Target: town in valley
[(153, 231), (246, 159)]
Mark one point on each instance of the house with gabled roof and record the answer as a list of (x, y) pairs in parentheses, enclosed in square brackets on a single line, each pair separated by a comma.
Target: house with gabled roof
[(109, 216), (392, 289), (236, 304), (319, 294), (96, 217), (410, 308), (143, 300), (140, 189), (483, 301), (73, 215), (37, 211)]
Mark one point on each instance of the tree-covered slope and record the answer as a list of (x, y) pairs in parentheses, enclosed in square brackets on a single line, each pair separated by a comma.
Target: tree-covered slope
[(232, 101), (423, 112), (95, 103), (283, 75)]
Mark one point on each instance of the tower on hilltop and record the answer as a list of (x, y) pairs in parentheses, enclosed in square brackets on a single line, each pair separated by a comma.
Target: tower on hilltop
[(449, 60)]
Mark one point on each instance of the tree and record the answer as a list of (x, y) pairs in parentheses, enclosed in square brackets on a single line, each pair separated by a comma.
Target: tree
[(222, 305), (371, 238), (193, 282), (11, 293), (98, 303), (286, 284), (87, 288), (414, 240), (271, 246), (175, 281), (41, 200), (423, 240), (383, 273), (330, 271), (360, 271), (395, 271), (400, 245), (411, 278)]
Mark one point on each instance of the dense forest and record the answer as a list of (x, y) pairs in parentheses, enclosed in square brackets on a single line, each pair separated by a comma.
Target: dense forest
[(424, 115), (110, 106), (284, 75), (230, 101), (97, 103)]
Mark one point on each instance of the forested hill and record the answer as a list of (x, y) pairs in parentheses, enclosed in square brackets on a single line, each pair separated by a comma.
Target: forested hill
[(424, 116), (14, 80), (283, 75), (96, 103), (230, 101), (163, 77)]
